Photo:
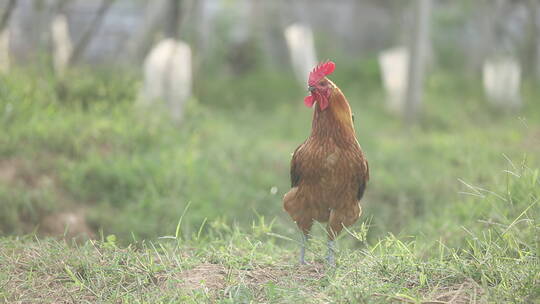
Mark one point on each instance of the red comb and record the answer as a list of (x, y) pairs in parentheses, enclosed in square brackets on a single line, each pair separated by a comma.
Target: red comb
[(321, 70)]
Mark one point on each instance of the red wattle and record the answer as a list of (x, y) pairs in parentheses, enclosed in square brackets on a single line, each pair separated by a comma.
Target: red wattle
[(308, 101)]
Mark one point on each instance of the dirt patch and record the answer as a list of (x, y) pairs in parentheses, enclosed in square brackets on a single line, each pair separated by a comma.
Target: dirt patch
[(70, 218), (16, 171), (211, 276), (8, 170), (312, 271), (217, 277), (466, 292), (70, 224), (262, 276), (463, 293)]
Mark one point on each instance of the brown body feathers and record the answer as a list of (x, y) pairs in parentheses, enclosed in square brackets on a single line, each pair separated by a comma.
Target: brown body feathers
[(328, 171)]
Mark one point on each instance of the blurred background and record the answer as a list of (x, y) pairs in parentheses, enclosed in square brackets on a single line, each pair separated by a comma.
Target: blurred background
[(134, 118)]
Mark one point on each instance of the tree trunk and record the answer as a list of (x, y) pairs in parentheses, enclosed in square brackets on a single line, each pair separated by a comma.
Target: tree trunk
[(199, 41), (7, 14), (142, 41), (417, 60), (5, 36), (532, 63), (172, 27), (86, 38), (60, 6)]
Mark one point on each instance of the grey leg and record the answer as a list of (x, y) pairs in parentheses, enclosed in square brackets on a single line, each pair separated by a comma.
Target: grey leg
[(305, 239), (331, 250)]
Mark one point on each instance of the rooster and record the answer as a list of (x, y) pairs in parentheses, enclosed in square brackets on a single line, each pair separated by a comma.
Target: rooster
[(329, 171)]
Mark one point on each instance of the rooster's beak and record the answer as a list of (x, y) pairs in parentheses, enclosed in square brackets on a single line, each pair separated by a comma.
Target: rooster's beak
[(311, 89)]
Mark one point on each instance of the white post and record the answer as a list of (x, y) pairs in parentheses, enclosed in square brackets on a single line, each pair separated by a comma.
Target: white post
[(394, 66), (168, 76), (4, 50), (502, 80), (62, 47)]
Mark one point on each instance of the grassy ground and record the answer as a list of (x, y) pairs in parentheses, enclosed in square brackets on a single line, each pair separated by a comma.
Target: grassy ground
[(497, 263), (450, 214)]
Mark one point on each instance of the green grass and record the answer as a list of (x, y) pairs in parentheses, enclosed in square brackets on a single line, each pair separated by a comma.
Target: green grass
[(498, 262), (450, 214), (84, 145)]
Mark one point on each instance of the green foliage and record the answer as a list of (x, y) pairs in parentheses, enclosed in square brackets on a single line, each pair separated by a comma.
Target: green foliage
[(464, 182), (135, 172), (499, 262)]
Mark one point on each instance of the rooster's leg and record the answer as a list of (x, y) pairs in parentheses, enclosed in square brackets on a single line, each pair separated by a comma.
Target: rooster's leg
[(331, 250), (305, 239)]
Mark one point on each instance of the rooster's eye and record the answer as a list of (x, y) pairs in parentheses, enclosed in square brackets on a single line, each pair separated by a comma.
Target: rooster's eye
[(323, 83)]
